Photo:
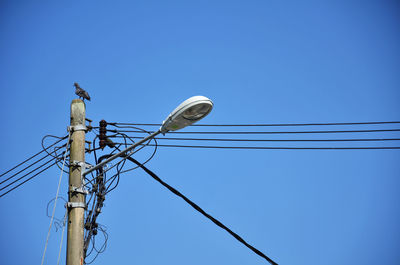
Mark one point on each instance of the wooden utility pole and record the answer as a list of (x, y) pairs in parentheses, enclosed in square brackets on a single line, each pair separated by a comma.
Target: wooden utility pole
[(76, 196)]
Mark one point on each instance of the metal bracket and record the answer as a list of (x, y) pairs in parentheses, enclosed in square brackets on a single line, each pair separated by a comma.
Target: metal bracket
[(78, 127), (81, 164), (76, 205), (79, 190)]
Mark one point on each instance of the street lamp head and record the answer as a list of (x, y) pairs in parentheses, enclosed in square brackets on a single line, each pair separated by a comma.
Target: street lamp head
[(187, 113)]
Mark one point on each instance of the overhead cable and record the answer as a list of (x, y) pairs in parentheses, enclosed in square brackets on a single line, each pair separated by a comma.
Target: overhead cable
[(267, 132), (197, 208), (45, 163), (270, 140), (34, 163), (13, 188), (266, 124), (278, 147), (38, 153)]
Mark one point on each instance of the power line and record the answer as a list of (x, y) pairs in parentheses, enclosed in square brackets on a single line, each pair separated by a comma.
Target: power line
[(266, 124), (34, 163), (38, 153), (45, 163), (267, 132), (269, 140), (278, 147), (197, 208), (28, 179)]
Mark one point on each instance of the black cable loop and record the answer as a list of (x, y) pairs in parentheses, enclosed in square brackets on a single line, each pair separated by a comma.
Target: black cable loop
[(49, 135), (147, 144), (47, 210)]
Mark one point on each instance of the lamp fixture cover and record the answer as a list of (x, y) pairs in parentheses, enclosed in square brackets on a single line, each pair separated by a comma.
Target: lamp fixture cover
[(187, 113)]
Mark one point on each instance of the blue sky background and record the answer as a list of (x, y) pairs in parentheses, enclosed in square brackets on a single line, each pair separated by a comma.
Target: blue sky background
[(260, 62)]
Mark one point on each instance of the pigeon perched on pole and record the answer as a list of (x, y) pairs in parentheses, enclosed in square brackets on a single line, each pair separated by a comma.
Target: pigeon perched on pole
[(80, 92)]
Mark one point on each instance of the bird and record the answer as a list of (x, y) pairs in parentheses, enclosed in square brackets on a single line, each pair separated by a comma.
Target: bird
[(81, 92)]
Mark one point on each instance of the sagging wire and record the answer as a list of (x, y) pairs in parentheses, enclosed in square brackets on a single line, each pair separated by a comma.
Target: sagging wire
[(57, 222), (103, 247), (125, 136), (55, 150)]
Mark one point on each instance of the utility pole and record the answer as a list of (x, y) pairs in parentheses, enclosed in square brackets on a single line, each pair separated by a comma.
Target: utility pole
[(76, 195)]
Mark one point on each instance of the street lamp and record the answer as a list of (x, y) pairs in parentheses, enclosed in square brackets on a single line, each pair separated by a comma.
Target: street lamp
[(188, 112)]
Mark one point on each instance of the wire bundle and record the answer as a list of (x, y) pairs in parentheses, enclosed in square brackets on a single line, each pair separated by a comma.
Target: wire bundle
[(33, 166), (118, 133), (99, 185), (340, 136)]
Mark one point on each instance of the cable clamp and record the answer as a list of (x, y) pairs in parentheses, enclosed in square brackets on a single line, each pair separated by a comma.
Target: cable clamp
[(78, 127), (81, 164), (79, 190), (76, 205)]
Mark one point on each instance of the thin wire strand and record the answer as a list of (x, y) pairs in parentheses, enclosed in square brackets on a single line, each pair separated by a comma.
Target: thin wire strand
[(151, 156), (133, 152), (270, 140), (55, 201), (62, 236), (265, 125), (270, 132), (278, 148)]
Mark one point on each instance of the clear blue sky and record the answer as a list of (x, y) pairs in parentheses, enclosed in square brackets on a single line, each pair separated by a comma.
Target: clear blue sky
[(260, 62)]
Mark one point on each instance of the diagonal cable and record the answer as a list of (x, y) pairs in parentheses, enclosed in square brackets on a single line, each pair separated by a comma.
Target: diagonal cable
[(197, 208), (13, 188)]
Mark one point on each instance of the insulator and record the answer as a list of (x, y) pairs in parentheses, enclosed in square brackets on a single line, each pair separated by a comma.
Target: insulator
[(102, 135)]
